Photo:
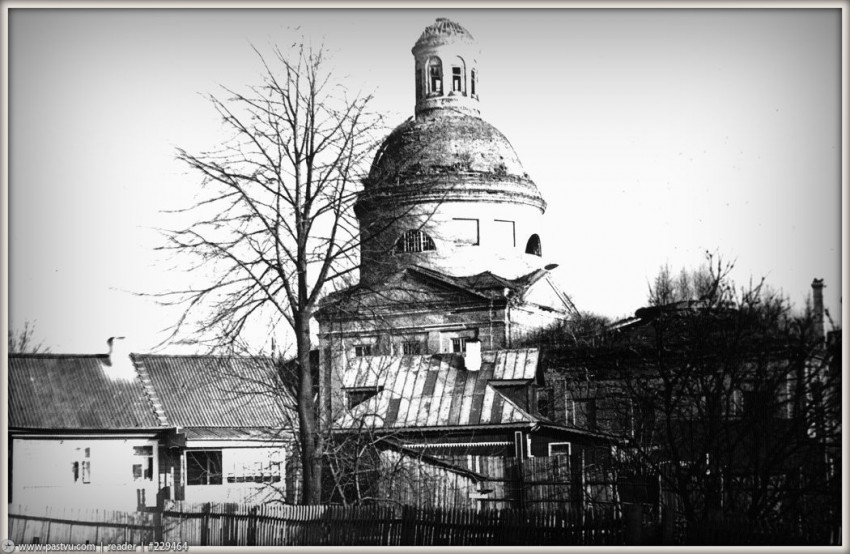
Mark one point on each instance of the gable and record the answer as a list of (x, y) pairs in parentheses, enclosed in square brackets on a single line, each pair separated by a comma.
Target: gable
[(408, 288), (545, 294)]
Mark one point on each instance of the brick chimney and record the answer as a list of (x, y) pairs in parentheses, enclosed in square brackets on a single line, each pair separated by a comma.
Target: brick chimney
[(817, 306)]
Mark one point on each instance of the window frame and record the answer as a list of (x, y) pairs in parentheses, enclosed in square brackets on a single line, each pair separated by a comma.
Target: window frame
[(414, 241), (569, 451), (477, 242), (434, 69), (513, 229), (363, 350), (210, 477)]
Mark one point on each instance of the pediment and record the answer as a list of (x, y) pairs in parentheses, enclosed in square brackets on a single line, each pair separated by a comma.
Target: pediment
[(547, 295)]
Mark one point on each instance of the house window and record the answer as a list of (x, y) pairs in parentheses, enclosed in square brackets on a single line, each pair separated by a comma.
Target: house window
[(81, 469), (418, 82), (203, 467), (457, 79), (435, 76), (414, 241), (533, 246), (474, 81), (362, 350), (459, 345), (143, 463), (504, 233), (583, 413), (560, 448), (254, 466), (465, 231), (411, 348)]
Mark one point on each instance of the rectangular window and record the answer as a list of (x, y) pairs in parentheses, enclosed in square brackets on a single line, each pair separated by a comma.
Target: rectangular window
[(203, 467), (81, 469), (363, 350), (436, 79), (459, 345), (504, 233), (560, 448), (456, 79), (143, 466), (465, 231), (411, 348), (583, 413), (255, 466)]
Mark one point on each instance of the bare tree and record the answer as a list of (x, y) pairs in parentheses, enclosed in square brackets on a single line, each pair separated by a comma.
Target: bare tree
[(275, 228), (727, 395), (22, 341)]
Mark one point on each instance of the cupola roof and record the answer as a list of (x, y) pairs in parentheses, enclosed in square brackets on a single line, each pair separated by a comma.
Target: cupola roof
[(441, 32)]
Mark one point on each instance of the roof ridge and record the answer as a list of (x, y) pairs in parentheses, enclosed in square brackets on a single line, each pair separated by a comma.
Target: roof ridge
[(149, 390)]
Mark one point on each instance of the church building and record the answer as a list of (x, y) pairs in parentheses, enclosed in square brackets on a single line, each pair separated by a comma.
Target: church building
[(452, 253)]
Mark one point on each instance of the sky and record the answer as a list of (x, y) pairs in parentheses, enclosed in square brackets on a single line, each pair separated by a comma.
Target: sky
[(654, 135)]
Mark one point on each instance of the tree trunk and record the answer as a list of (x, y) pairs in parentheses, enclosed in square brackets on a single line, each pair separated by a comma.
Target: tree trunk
[(311, 445)]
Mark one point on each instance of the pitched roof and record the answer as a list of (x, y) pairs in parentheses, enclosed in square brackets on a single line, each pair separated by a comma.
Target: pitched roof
[(216, 391), (49, 391), (437, 391), (63, 392)]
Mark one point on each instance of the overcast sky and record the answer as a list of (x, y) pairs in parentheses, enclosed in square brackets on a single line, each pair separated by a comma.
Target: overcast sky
[(654, 135)]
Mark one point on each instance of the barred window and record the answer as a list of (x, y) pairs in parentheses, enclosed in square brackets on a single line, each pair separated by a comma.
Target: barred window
[(459, 345), (414, 241), (411, 348)]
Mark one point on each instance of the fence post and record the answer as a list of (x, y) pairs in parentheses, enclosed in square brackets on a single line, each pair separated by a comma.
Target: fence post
[(205, 524), (408, 526), (157, 515), (252, 526), (633, 519)]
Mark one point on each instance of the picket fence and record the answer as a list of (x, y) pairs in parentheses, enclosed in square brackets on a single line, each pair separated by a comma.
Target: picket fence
[(53, 525), (286, 525)]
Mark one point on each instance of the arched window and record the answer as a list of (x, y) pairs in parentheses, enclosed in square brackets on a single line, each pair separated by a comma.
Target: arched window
[(435, 75), (414, 241), (533, 246), (473, 82), (458, 76)]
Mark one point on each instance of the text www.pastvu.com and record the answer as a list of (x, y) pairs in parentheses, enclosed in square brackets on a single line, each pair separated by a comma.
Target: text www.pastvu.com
[(59, 547)]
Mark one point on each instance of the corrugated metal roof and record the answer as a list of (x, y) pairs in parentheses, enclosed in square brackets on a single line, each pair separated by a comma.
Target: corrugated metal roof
[(435, 391), (213, 391), (74, 392)]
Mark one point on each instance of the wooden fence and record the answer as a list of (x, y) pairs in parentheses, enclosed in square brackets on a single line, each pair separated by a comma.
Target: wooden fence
[(78, 526), (286, 525)]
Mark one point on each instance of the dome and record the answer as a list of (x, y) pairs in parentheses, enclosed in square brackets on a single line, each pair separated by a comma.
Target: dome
[(442, 32), (441, 153)]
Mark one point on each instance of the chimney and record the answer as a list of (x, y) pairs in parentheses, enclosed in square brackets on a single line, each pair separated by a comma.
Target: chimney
[(817, 301), (473, 355), (119, 365)]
